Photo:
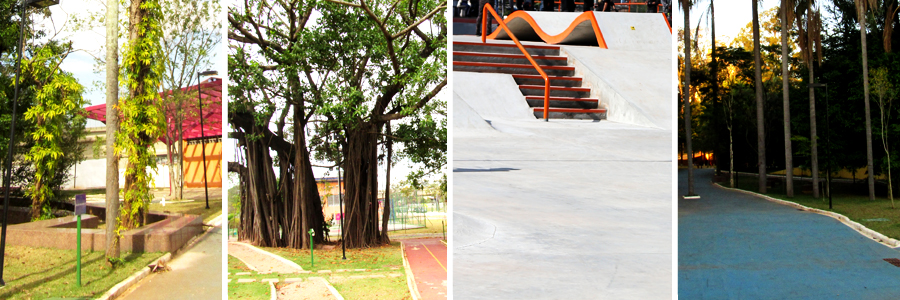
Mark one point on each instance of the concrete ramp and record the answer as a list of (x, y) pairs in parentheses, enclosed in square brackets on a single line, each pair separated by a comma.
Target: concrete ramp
[(619, 31), (490, 96), (465, 118)]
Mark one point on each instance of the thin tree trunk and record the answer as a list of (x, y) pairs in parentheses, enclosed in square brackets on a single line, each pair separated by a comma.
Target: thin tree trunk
[(717, 105), (813, 138), (112, 127), (386, 213), (760, 120), (785, 91), (865, 62), (686, 95)]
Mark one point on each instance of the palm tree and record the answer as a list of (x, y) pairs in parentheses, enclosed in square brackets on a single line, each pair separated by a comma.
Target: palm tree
[(686, 95), (112, 124), (786, 6), (862, 6), (760, 125), (809, 39)]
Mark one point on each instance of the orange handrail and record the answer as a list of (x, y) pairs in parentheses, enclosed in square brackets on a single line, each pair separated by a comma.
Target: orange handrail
[(488, 8)]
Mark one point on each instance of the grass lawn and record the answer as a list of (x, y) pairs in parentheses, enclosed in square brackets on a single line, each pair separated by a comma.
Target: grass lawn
[(40, 273), (432, 225), (383, 257), (196, 207), (849, 199), (248, 290), (379, 259)]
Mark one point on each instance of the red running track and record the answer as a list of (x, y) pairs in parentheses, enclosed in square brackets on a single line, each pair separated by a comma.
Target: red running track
[(428, 262)]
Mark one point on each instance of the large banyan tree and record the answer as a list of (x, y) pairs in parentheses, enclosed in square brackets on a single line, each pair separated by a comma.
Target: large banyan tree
[(333, 81)]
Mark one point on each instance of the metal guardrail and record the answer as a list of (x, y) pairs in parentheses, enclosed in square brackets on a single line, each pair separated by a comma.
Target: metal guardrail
[(484, 22)]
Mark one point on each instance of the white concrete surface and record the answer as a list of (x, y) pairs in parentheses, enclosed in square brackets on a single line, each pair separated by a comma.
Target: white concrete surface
[(635, 31), (91, 173), (634, 86), (566, 209)]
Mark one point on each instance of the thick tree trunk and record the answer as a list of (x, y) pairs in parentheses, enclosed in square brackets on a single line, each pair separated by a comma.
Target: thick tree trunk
[(112, 126), (865, 63), (785, 91), (760, 120), (361, 186), (686, 95)]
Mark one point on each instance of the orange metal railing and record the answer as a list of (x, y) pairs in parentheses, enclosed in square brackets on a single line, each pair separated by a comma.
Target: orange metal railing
[(488, 8)]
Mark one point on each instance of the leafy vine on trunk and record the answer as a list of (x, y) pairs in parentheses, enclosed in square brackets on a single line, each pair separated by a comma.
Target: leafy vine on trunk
[(142, 120)]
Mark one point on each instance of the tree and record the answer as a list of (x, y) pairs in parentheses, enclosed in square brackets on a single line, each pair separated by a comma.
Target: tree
[(112, 125), (862, 7), (143, 121), (359, 67), (190, 32), (786, 7), (809, 39), (686, 95), (57, 102), (884, 94), (760, 119)]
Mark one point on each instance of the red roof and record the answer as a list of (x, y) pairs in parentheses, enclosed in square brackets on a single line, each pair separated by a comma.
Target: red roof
[(211, 93)]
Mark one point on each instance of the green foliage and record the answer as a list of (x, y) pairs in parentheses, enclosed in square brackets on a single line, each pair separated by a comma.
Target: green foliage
[(142, 120), (58, 99)]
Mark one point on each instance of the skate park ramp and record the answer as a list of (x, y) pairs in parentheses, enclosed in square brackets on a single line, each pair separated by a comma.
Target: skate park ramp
[(490, 96), (608, 30)]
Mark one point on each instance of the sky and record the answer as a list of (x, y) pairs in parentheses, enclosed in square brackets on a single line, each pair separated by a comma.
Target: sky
[(731, 16)]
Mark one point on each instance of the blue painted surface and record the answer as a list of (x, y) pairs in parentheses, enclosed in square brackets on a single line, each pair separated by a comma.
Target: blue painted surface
[(733, 245)]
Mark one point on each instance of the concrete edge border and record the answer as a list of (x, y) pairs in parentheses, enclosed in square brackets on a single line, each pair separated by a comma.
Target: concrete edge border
[(410, 278), (251, 267), (272, 255), (330, 287), (120, 288), (273, 293), (865, 231)]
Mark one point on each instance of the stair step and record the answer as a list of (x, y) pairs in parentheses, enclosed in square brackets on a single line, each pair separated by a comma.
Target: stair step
[(509, 58), (571, 113), (554, 80), (486, 67), (504, 48), (562, 91), (563, 102)]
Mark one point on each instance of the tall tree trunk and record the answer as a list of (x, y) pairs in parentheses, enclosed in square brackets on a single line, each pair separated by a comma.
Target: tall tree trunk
[(785, 91), (813, 138), (386, 213), (861, 13), (717, 105), (112, 126), (686, 95), (760, 120), (361, 188), (179, 174)]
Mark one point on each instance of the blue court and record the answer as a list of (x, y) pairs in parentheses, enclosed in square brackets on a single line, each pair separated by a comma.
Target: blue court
[(733, 245)]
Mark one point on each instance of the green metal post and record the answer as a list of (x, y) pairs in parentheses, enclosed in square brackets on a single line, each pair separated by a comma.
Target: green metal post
[(78, 255), (312, 246)]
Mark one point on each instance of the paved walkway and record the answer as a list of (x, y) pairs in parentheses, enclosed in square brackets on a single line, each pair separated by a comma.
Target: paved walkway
[(428, 262), (195, 274), (261, 262), (733, 245)]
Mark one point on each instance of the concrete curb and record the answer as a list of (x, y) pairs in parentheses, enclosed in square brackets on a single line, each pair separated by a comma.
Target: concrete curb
[(273, 294), (869, 233), (272, 255), (330, 287), (120, 288), (410, 278)]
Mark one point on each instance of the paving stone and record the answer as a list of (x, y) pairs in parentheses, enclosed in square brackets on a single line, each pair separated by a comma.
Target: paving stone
[(244, 280), (324, 271), (272, 280), (241, 273), (290, 280)]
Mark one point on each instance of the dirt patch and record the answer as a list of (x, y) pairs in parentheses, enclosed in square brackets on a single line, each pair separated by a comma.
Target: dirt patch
[(314, 288)]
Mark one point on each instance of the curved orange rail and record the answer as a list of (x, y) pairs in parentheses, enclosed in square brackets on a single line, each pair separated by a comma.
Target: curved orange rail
[(489, 9), (554, 39)]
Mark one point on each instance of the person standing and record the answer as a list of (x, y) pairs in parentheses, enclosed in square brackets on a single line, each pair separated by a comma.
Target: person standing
[(607, 5), (567, 5), (481, 4)]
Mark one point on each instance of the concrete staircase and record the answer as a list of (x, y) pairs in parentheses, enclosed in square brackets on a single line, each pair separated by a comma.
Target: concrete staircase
[(568, 99)]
